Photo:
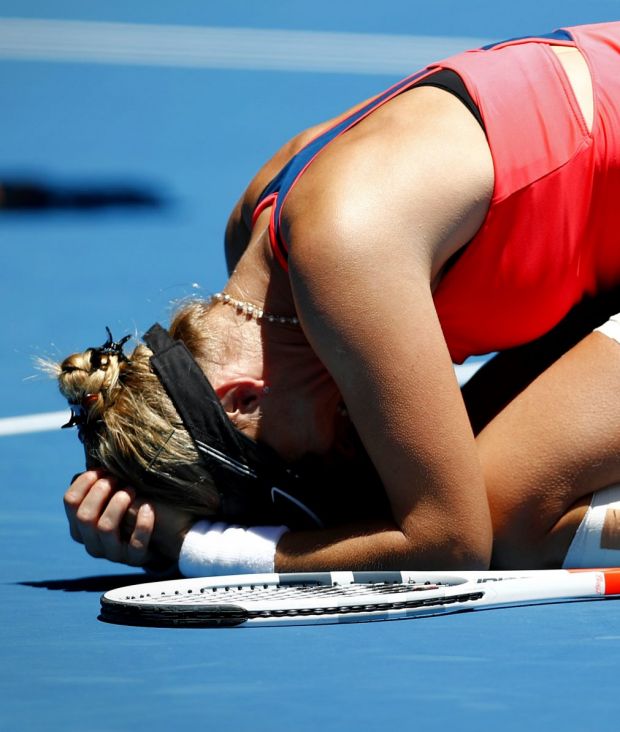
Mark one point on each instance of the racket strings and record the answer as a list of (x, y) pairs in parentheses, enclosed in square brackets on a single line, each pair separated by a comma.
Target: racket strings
[(276, 592)]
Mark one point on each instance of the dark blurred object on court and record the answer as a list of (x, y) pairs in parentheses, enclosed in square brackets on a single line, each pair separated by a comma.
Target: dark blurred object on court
[(32, 194)]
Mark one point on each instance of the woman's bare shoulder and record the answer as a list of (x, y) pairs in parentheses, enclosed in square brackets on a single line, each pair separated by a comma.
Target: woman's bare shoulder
[(417, 172)]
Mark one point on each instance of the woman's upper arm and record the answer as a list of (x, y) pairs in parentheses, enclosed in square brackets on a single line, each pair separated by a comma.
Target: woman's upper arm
[(386, 352), (361, 268)]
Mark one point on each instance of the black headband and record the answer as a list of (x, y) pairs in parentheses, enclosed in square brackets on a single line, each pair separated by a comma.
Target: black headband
[(254, 483)]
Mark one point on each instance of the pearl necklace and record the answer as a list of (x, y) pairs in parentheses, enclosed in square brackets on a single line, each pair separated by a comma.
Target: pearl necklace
[(253, 311)]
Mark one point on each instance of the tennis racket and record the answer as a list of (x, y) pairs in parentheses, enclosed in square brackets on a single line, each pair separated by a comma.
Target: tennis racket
[(343, 597)]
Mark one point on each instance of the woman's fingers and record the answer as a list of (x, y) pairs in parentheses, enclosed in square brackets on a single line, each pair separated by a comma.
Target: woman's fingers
[(89, 513), (108, 527), (109, 522), (129, 521), (75, 494), (137, 549)]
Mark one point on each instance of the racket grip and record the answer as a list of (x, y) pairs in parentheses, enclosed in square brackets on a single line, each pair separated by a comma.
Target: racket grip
[(610, 577), (612, 581)]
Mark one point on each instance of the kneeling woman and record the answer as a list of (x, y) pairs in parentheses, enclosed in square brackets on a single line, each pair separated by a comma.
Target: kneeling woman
[(465, 210)]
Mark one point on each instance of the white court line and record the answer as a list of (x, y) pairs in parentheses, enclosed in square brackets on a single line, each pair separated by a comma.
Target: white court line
[(50, 421), (33, 423), (223, 48)]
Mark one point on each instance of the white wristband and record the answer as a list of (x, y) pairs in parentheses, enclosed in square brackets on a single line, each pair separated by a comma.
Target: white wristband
[(215, 549)]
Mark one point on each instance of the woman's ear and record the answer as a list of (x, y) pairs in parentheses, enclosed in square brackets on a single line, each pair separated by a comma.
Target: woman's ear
[(241, 396)]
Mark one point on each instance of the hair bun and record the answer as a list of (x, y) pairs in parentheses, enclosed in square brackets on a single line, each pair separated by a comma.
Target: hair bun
[(92, 378)]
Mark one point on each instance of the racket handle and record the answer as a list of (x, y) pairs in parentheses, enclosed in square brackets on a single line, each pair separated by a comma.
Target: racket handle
[(608, 580), (542, 588), (612, 581)]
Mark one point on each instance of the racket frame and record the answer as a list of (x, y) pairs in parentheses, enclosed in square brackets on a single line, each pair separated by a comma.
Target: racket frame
[(354, 596)]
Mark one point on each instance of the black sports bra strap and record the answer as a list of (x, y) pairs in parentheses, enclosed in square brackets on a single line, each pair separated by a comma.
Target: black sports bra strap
[(451, 82)]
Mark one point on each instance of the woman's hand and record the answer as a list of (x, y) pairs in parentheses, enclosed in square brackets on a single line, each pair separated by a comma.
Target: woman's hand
[(108, 520), (113, 524)]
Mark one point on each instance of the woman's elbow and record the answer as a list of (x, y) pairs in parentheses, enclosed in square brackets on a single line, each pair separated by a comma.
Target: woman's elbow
[(469, 549), (471, 553)]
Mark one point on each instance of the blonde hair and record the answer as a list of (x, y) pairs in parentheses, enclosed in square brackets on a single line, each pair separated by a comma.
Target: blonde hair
[(138, 432)]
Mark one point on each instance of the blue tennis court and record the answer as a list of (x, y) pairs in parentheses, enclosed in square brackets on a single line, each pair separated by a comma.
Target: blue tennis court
[(130, 130)]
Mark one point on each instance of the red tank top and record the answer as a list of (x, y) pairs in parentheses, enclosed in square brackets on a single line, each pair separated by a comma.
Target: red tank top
[(551, 233)]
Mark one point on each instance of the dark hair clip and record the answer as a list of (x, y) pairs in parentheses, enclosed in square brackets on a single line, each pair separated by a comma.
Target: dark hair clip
[(79, 412), (109, 348), (77, 418)]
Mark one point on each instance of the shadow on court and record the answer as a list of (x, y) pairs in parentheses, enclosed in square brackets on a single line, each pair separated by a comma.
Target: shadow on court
[(98, 583)]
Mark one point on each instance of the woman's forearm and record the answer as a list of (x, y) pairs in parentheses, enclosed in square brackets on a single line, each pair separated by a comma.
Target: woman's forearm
[(375, 545)]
